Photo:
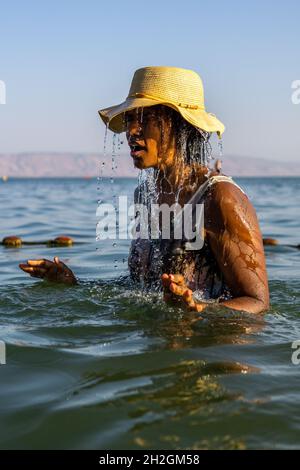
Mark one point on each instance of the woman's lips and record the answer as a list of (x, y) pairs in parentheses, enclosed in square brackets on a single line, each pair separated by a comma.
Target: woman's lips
[(136, 153), (136, 150)]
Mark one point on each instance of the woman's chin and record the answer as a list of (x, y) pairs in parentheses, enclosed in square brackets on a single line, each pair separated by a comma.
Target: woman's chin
[(141, 164), (138, 163)]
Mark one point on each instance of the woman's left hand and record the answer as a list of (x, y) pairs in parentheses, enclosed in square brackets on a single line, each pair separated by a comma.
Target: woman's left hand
[(175, 288)]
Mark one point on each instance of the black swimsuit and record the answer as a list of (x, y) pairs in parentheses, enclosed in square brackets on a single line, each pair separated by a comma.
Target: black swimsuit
[(149, 259)]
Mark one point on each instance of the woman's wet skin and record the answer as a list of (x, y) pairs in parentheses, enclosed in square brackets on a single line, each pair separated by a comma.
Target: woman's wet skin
[(235, 238), (231, 224)]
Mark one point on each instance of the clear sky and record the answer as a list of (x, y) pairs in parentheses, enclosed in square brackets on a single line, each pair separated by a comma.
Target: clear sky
[(63, 60)]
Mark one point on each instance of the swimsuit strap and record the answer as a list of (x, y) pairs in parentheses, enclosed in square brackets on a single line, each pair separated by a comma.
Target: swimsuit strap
[(197, 196), (228, 179)]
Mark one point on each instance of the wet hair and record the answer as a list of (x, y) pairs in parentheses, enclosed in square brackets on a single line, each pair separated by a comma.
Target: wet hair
[(191, 142)]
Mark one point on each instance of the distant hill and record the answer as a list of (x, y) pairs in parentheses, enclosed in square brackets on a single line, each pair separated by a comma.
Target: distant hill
[(49, 164), (247, 166)]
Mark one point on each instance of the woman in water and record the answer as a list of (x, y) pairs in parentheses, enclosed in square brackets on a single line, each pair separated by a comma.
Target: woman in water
[(168, 131)]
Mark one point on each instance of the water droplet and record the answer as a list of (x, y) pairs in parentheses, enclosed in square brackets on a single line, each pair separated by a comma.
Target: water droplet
[(220, 147)]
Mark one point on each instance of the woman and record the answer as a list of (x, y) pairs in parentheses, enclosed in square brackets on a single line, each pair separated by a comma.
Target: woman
[(168, 132)]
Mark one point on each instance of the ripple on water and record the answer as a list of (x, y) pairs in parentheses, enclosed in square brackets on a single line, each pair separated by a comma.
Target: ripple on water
[(110, 366)]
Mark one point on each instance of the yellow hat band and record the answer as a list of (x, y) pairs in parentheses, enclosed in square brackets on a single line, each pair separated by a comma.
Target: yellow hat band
[(156, 98)]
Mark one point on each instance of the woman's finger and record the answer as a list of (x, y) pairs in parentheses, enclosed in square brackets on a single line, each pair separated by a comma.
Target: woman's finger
[(199, 307), (176, 289), (26, 268), (45, 263), (35, 262), (167, 279), (190, 302), (178, 279), (188, 298), (33, 271)]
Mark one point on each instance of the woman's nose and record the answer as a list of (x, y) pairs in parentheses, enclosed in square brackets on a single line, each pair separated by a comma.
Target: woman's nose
[(134, 129)]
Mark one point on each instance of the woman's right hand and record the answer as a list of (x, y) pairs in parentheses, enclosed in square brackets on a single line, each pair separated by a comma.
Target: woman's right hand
[(176, 290), (54, 271)]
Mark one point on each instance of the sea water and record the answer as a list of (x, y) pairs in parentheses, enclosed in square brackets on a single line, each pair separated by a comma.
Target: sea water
[(103, 365)]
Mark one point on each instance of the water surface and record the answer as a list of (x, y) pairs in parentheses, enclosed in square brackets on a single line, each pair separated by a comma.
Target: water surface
[(102, 365)]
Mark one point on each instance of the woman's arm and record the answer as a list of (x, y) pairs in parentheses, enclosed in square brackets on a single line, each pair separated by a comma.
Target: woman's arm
[(235, 239)]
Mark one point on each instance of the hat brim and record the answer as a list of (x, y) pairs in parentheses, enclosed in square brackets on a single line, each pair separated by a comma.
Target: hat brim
[(114, 116)]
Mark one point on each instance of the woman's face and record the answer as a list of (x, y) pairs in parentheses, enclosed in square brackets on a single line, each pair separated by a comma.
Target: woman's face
[(150, 138)]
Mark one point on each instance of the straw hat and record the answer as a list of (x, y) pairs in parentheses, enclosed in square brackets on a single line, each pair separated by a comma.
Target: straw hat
[(177, 88)]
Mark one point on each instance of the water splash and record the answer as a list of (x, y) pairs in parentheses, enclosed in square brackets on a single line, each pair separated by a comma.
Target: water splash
[(102, 163), (220, 146), (100, 177), (167, 182)]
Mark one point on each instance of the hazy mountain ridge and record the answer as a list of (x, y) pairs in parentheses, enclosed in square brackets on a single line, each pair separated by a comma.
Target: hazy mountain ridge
[(50, 164)]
